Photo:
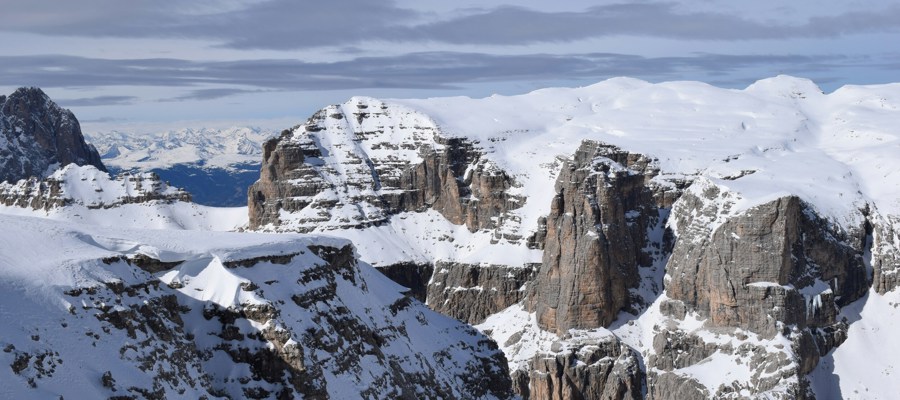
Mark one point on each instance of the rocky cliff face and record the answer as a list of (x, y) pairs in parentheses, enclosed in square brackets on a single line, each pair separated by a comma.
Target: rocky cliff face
[(150, 315), (471, 293), (777, 262), (355, 164), (595, 370), (597, 238), (37, 136)]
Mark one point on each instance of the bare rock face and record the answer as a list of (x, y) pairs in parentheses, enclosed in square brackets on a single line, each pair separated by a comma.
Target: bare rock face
[(884, 251), (597, 370), (755, 368), (669, 386), (778, 270), (595, 240), (37, 136), (777, 263), (355, 164), (471, 293)]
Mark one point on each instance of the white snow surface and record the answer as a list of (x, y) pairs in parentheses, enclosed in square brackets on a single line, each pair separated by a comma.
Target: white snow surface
[(866, 364), (220, 148), (836, 151)]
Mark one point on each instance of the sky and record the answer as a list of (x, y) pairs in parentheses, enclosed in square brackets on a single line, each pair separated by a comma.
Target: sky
[(160, 64)]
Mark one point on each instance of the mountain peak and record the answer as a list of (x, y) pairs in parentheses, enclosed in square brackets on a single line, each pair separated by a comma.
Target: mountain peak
[(37, 136)]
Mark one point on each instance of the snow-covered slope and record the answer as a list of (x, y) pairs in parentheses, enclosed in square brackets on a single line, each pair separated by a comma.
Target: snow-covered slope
[(784, 129), (96, 312), (85, 194)]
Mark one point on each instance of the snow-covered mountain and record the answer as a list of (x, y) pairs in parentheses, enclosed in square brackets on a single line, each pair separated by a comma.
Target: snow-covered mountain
[(622, 240), (118, 288), (215, 165), (672, 240)]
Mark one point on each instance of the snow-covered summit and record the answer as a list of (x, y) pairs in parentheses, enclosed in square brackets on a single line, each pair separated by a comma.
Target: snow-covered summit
[(794, 138)]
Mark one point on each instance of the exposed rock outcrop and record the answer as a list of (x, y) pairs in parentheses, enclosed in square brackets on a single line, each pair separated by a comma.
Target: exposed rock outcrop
[(597, 234), (777, 263), (470, 293), (884, 251), (606, 370), (37, 136), (778, 270)]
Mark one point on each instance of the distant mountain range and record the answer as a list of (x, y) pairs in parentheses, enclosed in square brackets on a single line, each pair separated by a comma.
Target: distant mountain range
[(215, 165)]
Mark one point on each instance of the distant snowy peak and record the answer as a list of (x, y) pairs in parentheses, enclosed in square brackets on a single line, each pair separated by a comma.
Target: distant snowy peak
[(37, 137), (89, 187), (220, 148)]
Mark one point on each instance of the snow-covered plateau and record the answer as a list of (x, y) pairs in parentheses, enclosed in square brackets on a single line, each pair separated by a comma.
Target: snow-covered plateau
[(620, 240)]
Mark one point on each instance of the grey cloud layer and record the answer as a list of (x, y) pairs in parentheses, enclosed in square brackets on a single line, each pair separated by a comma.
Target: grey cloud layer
[(432, 70), (289, 24), (97, 101)]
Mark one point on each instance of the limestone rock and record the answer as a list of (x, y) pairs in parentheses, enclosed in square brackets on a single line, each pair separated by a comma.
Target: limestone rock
[(596, 237), (885, 251), (600, 370), (37, 137), (775, 263), (470, 293)]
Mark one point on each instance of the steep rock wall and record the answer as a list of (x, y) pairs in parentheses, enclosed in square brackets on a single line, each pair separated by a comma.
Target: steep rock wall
[(471, 293), (595, 240), (777, 262), (606, 370)]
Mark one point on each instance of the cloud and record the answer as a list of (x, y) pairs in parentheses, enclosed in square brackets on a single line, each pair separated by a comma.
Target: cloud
[(289, 24), (210, 94), (97, 101), (425, 70), (516, 25), (242, 24)]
